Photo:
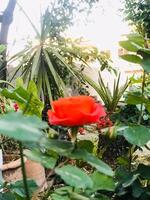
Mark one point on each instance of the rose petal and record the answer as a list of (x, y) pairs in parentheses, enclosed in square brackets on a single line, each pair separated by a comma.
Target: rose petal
[(75, 111), (75, 104)]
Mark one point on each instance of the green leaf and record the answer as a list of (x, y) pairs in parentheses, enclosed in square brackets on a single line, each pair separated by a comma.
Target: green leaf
[(121, 174), (124, 177), (137, 189), (32, 89), (7, 196), (63, 190), (143, 50), (15, 95), (144, 171), (22, 96), (19, 82), (86, 144), (122, 160), (145, 53), (7, 83), (136, 135), (136, 38), (102, 182), (109, 98), (132, 58), (21, 127), (18, 187), (129, 180), (59, 146), (135, 98), (129, 45), (146, 62), (35, 107), (59, 82), (55, 196), (92, 160), (145, 195), (74, 177), (45, 160), (36, 63), (62, 193)]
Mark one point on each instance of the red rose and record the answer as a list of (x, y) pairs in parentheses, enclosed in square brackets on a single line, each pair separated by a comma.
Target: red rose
[(75, 111)]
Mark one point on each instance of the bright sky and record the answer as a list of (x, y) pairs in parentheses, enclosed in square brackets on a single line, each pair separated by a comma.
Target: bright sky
[(104, 29), (106, 25)]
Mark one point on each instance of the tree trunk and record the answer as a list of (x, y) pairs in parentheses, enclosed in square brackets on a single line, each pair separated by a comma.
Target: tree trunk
[(6, 19)]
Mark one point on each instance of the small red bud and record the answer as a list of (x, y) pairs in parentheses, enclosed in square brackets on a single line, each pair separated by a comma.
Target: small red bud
[(81, 131), (16, 107)]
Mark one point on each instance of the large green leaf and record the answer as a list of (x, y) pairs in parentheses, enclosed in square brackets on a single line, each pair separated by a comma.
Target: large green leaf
[(92, 160), (59, 146), (21, 127), (137, 134), (132, 58), (7, 196), (18, 187), (136, 38), (74, 176), (102, 182), (129, 45), (46, 160), (134, 98)]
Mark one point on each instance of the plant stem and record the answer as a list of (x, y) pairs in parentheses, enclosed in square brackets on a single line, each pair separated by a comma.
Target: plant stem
[(21, 156), (98, 143), (141, 109), (130, 159), (143, 86), (74, 132), (131, 150), (24, 172)]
